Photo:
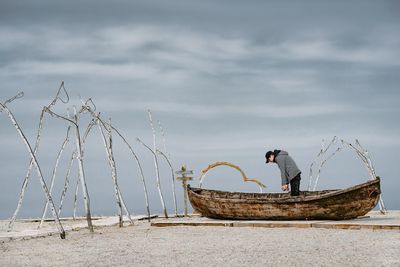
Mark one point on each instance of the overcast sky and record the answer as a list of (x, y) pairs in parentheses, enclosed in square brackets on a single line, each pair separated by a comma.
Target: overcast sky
[(229, 80)]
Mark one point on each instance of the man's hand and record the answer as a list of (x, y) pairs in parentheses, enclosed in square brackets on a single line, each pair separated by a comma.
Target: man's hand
[(285, 187)]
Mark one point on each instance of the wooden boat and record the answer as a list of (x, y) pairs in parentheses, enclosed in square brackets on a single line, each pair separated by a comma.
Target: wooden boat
[(325, 205)]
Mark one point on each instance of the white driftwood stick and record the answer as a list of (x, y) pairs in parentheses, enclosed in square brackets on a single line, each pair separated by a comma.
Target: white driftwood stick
[(39, 171), (66, 140), (117, 196), (157, 176), (86, 107), (8, 101), (28, 174), (382, 207), (164, 140), (156, 161), (114, 166), (108, 146), (109, 151), (61, 89), (322, 164), (167, 157), (111, 162), (173, 180), (76, 196), (80, 164), (140, 169), (318, 159), (369, 161), (78, 179), (364, 156), (82, 175), (25, 182), (66, 183)]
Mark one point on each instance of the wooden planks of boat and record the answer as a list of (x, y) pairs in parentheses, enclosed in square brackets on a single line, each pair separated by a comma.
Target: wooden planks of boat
[(338, 204)]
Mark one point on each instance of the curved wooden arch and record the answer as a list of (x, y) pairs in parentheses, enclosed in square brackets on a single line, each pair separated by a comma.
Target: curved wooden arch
[(223, 163)]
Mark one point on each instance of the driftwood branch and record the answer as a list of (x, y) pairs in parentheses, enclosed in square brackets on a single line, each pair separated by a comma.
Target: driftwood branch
[(66, 183), (360, 152), (4, 108), (66, 140), (28, 174), (164, 140), (110, 143), (173, 179), (111, 161), (109, 151), (74, 156), (8, 101), (318, 158), (78, 180), (96, 116), (61, 90), (364, 156), (167, 157), (82, 177), (222, 163), (157, 176), (322, 163), (78, 140), (136, 158)]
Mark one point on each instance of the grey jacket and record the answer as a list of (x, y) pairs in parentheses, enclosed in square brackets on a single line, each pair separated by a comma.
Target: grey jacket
[(287, 166)]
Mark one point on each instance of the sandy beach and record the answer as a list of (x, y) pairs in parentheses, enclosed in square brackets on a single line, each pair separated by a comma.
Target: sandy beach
[(144, 245)]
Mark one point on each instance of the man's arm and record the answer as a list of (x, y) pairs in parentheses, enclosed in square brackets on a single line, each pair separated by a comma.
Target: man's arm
[(281, 161)]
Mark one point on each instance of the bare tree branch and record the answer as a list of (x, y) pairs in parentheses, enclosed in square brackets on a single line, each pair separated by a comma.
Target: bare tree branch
[(167, 157), (157, 176), (66, 140), (86, 107), (139, 167), (26, 179), (318, 159), (66, 183), (28, 174), (173, 179), (82, 173), (39, 171)]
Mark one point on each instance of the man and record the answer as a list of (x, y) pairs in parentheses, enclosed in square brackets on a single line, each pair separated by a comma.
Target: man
[(289, 171)]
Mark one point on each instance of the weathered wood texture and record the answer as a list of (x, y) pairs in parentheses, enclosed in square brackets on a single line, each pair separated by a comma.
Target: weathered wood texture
[(327, 205), (280, 225)]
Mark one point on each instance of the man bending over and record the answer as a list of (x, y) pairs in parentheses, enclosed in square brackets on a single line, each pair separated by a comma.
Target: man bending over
[(289, 171)]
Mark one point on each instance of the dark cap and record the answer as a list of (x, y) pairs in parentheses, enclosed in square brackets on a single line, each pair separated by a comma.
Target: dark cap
[(267, 155)]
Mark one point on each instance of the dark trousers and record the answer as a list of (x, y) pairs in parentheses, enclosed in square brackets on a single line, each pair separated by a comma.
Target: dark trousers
[(295, 185)]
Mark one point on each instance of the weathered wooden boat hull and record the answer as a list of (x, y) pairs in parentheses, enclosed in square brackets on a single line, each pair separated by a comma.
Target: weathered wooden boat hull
[(326, 205)]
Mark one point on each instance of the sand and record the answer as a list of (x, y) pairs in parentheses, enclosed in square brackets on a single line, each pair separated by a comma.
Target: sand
[(143, 245)]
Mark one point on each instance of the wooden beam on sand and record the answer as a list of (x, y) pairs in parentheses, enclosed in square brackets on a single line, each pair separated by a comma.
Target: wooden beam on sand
[(277, 224)]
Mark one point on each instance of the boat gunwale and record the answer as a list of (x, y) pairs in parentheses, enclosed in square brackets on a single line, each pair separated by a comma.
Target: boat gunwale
[(288, 199)]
